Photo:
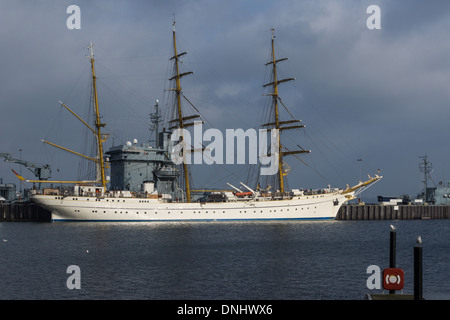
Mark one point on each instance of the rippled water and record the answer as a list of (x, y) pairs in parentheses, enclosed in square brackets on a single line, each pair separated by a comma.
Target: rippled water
[(216, 260)]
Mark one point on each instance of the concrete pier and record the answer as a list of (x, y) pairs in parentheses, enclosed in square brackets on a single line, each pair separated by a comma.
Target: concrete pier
[(390, 212), (23, 211)]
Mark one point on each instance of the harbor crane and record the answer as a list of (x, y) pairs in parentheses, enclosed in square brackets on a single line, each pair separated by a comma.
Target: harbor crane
[(43, 172)]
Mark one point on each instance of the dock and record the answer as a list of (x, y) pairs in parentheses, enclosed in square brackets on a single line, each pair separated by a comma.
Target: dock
[(392, 212), (23, 211), (29, 211)]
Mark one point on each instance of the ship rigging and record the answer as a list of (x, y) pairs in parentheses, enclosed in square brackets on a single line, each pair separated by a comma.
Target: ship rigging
[(159, 199)]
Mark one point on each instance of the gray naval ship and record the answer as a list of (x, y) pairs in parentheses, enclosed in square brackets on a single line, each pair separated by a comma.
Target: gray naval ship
[(145, 168), (432, 193), (437, 194)]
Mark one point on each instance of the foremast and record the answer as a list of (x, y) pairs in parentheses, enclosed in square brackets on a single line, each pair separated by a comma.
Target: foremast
[(277, 124)]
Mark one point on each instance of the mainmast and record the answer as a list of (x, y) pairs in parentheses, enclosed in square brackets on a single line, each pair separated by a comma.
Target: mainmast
[(277, 124), (180, 122), (98, 125)]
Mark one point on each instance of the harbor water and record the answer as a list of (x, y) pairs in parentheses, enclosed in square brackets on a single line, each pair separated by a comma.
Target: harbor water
[(280, 260)]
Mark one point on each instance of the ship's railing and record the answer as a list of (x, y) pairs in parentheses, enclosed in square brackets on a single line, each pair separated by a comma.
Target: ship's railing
[(220, 197), (67, 192)]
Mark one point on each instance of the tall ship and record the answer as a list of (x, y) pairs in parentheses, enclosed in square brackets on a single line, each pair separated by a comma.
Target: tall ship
[(146, 184)]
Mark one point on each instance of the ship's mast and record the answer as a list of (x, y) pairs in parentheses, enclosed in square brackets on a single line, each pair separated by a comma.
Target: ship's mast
[(425, 166), (99, 160), (277, 120), (155, 119), (98, 124), (277, 124), (180, 122)]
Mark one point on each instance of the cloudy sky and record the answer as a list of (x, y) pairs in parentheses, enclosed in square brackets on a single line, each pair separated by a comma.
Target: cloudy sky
[(381, 95)]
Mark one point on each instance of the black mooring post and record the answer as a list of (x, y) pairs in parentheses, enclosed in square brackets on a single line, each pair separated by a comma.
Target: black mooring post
[(392, 252), (418, 272)]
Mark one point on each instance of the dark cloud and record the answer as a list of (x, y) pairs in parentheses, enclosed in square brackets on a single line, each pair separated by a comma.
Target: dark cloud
[(379, 95)]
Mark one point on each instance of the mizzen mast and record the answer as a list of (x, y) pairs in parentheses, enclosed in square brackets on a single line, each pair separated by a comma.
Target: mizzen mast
[(99, 160), (277, 124)]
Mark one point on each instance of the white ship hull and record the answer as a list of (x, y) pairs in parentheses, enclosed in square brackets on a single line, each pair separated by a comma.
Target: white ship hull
[(73, 208)]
